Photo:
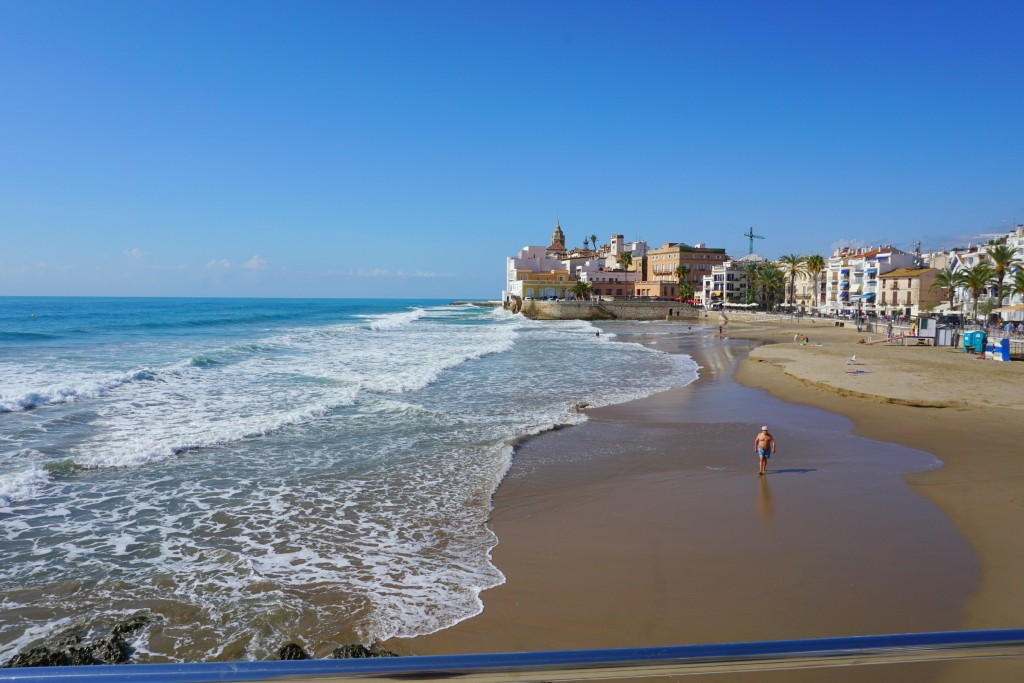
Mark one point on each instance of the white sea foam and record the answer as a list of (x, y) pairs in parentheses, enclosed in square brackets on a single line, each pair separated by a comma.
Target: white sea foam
[(394, 321), (347, 480), (22, 484), (24, 392)]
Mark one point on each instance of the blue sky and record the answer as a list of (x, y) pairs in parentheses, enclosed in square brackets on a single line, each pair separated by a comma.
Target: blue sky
[(401, 149)]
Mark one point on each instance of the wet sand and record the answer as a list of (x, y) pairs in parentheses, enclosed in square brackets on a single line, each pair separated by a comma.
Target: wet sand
[(648, 525), (968, 412)]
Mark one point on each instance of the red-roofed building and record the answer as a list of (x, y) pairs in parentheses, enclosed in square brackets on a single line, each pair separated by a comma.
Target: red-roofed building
[(851, 280)]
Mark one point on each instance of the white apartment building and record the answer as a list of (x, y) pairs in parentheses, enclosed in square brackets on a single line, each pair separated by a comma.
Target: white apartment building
[(727, 281), (974, 254), (851, 279), (531, 261)]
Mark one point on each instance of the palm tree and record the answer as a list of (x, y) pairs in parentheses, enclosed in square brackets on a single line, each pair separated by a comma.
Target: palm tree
[(773, 282), (1017, 282), (949, 280), (681, 272), (815, 265), (1004, 260), (593, 240), (976, 279), (686, 292), (753, 281), (626, 259), (794, 265), (582, 290)]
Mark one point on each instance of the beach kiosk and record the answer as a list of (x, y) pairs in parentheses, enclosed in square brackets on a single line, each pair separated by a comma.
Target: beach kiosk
[(926, 331)]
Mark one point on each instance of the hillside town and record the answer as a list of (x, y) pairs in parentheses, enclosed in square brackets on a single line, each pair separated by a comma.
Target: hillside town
[(976, 282)]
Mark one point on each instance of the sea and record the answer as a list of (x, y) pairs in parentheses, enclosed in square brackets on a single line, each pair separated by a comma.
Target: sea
[(249, 472)]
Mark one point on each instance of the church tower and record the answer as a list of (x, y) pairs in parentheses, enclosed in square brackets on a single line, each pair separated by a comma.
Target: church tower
[(558, 237), (557, 241)]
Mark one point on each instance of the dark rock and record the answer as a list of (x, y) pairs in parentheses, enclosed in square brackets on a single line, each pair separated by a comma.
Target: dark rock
[(80, 656), (110, 649), (130, 625), (36, 656), (359, 651), (291, 651), (68, 649)]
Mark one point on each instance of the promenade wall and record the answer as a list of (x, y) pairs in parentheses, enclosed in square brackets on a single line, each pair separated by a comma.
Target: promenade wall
[(609, 310)]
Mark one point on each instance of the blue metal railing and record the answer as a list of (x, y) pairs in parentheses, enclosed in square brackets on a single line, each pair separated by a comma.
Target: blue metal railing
[(568, 664)]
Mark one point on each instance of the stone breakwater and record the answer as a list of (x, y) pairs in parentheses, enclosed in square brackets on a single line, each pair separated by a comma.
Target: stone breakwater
[(606, 310)]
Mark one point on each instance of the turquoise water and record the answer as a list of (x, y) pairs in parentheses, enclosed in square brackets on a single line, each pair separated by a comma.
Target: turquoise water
[(250, 472)]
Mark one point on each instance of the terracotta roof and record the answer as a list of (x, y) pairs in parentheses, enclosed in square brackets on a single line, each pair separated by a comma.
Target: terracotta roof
[(906, 272)]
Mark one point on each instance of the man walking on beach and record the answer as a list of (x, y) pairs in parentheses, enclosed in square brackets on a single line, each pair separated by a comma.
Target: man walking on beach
[(764, 446)]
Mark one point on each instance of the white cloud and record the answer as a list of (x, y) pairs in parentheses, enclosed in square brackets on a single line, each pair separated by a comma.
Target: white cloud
[(134, 253), (373, 272), (255, 263), (220, 264), (421, 273)]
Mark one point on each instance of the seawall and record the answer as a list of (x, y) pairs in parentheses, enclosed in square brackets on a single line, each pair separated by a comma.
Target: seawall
[(609, 310)]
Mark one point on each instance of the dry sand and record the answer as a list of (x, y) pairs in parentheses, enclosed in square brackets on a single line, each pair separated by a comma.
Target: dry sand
[(966, 411), (649, 526)]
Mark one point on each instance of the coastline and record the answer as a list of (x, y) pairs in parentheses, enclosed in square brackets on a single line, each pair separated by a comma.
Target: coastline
[(661, 533)]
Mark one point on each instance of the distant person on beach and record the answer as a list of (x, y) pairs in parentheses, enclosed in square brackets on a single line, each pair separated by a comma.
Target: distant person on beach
[(764, 446)]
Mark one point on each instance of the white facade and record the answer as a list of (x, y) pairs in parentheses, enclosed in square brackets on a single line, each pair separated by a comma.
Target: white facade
[(532, 259), (579, 267), (851, 278), (960, 259), (728, 281), (637, 249)]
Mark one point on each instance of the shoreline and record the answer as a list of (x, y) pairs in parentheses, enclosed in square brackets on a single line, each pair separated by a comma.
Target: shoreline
[(625, 512)]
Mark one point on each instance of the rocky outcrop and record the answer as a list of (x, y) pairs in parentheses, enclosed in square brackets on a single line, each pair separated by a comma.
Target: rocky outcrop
[(68, 648), (360, 652), (295, 651), (292, 651), (480, 304)]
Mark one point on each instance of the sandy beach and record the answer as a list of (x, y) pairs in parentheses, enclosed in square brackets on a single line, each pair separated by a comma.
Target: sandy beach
[(648, 525)]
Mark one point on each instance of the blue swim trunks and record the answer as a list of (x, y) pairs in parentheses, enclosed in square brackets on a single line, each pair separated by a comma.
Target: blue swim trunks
[(765, 452)]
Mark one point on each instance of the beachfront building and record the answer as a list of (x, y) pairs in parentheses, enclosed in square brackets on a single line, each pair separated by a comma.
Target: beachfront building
[(961, 259), (660, 278), (612, 284), (803, 291), (533, 273), (908, 291), (852, 276), (540, 285), (728, 281)]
